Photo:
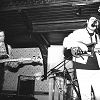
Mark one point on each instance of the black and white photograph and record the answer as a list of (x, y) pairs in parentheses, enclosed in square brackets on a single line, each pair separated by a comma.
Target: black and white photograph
[(50, 49)]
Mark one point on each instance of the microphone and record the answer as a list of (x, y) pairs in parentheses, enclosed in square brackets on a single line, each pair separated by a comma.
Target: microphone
[(94, 23)]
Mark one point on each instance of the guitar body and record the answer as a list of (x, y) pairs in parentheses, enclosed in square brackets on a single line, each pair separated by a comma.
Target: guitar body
[(77, 52)]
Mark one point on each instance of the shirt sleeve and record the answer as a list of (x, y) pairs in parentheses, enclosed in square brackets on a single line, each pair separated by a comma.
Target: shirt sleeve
[(71, 41)]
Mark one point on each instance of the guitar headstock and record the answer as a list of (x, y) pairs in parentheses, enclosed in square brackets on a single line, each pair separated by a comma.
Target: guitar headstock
[(38, 75), (37, 59)]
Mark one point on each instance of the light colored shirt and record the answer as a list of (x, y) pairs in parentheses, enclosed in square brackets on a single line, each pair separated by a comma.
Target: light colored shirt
[(3, 50), (77, 39)]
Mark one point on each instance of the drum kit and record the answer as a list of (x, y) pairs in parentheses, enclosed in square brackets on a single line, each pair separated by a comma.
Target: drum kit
[(66, 87)]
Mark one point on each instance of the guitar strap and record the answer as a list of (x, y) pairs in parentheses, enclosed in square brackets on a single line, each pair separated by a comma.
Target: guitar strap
[(6, 48), (96, 38), (5, 56)]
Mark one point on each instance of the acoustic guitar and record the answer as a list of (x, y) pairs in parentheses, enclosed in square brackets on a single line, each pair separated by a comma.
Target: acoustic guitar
[(77, 52)]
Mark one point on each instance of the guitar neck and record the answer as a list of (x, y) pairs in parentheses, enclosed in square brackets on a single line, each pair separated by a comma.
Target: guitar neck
[(19, 59)]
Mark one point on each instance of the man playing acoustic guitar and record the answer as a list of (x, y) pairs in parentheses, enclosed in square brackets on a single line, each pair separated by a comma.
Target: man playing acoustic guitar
[(84, 45)]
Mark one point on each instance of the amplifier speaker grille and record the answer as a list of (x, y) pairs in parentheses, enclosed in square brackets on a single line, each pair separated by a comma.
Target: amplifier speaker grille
[(26, 85)]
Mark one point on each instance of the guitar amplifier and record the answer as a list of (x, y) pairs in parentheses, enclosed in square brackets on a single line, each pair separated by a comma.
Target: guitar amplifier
[(25, 85)]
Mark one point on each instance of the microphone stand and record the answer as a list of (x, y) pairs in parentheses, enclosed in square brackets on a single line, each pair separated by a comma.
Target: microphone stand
[(54, 70), (64, 72)]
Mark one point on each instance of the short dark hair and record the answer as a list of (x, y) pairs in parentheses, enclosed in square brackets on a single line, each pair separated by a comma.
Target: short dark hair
[(0, 30), (94, 15)]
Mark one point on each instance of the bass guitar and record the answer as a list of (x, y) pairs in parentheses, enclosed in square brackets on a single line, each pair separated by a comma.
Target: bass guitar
[(34, 59)]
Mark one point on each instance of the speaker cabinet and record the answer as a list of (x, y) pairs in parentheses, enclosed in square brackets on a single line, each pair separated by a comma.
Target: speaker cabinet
[(26, 85)]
